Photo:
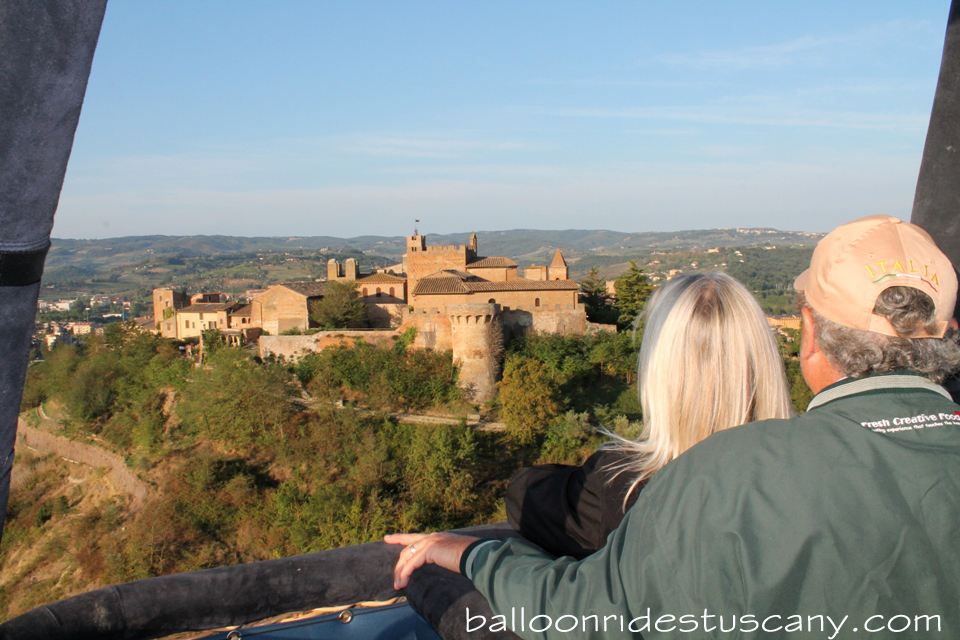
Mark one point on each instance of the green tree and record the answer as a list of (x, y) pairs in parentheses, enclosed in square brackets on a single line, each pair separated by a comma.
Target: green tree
[(528, 398), (339, 308), (237, 402), (78, 306), (594, 289), (800, 393), (633, 290)]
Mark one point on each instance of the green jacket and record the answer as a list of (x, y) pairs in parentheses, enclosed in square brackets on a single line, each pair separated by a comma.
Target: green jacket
[(804, 527)]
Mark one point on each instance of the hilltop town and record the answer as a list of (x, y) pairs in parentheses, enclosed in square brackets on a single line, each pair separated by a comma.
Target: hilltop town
[(455, 298)]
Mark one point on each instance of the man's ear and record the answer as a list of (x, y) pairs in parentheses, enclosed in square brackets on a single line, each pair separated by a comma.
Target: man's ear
[(953, 324), (807, 343), (816, 368)]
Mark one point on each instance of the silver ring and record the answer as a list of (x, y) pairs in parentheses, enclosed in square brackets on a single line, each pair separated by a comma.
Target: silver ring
[(412, 549)]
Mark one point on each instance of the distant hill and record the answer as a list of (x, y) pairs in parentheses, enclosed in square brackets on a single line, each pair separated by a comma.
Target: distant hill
[(525, 245)]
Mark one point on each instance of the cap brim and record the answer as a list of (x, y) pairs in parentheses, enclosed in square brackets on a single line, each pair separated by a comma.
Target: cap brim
[(800, 284)]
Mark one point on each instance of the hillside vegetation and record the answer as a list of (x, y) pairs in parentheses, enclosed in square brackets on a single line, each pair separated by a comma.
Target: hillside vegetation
[(252, 460)]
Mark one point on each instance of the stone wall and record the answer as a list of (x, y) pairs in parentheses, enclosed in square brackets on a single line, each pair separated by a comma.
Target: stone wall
[(279, 310), (385, 315), (564, 321), (292, 347)]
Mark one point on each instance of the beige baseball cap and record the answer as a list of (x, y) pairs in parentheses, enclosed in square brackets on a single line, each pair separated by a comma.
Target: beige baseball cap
[(856, 262)]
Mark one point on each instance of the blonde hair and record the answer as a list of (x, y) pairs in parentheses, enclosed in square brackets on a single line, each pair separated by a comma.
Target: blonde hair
[(708, 361)]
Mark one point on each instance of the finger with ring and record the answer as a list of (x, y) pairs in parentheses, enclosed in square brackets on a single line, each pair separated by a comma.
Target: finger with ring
[(412, 549)]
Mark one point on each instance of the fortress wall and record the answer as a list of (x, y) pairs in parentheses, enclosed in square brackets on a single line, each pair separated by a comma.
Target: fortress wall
[(433, 330), (565, 322), (292, 347)]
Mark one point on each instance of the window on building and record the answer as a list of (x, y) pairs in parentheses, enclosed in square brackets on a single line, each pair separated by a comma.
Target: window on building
[(491, 301), (378, 292), (536, 303), (364, 292), (391, 292)]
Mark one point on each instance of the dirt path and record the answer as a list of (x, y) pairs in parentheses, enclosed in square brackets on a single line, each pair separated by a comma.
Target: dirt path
[(472, 421), (121, 478)]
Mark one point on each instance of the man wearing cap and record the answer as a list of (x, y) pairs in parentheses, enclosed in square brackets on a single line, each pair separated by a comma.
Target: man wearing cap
[(843, 522)]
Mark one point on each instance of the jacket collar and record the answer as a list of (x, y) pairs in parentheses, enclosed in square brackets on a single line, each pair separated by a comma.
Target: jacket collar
[(897, 380)]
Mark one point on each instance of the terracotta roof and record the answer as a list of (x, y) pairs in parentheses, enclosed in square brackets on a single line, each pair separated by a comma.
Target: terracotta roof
[(245, 310), (522, 284), (442, 282), (381, 277), (308, 289), (454, 284), (495, 261), (204, 307), (558, 260), (447, 273)]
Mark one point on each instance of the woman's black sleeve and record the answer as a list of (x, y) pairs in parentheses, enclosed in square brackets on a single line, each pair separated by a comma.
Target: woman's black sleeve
[(569, 510)]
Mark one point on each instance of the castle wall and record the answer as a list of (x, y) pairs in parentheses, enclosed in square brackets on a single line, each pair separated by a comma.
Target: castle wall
[(564, 322), (292, 347), (422, 260), (433, 330)]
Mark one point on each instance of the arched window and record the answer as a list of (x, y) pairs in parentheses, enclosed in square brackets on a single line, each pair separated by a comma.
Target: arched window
[(491, 301), (378, 292), (391, 292), (536, 302), (364, 292)]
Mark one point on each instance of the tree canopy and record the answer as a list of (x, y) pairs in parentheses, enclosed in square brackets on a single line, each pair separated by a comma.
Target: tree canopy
[(633, 290), (339, 308)]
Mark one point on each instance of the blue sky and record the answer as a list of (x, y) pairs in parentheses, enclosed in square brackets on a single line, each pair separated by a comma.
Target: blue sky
[(296, 118)]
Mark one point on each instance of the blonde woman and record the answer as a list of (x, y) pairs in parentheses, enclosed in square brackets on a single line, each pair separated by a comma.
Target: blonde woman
[(708, 362)]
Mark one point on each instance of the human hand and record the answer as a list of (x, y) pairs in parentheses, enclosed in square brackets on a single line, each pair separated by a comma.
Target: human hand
[(441, 549)]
